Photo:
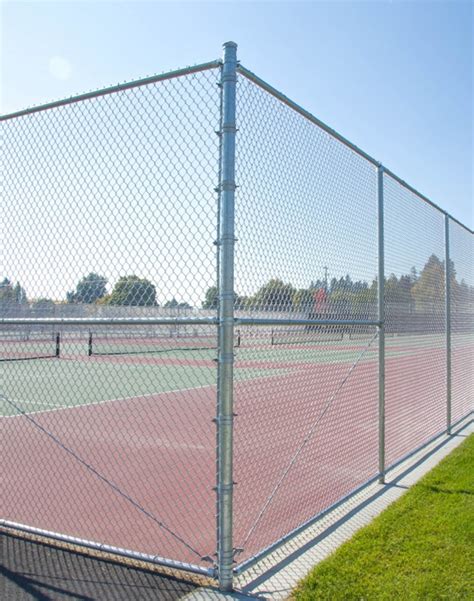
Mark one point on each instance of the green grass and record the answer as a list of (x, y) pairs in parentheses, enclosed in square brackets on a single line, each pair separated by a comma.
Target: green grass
[(421, 547)]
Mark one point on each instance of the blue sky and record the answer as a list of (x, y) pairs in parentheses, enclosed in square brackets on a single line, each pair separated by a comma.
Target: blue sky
[(393, 77)]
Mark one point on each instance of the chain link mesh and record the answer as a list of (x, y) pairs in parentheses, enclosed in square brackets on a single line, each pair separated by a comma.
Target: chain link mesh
[(109, 211), (461, 250), (306, 430), (415, 398)]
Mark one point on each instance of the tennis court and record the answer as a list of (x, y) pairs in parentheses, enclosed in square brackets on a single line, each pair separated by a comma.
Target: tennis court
[(131, 463), (133, 369), (207, 341)]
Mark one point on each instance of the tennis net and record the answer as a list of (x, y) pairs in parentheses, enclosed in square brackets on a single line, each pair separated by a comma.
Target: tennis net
[(139, 343), (28, 345), (306, 335)]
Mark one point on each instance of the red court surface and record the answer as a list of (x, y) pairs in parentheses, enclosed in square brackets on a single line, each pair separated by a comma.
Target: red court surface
[(140, 473)]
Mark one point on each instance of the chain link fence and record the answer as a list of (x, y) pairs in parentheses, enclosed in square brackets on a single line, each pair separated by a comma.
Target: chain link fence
[(415, 397), (240, 319), (109, 213)]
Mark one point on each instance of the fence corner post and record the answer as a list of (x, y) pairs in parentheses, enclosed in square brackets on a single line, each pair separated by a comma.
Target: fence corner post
[(381, 320), (447, 293), (225, 409)]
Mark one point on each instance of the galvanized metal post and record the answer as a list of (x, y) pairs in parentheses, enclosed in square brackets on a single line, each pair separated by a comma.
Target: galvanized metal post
[(225, 414), (447, 292), (381, 320)]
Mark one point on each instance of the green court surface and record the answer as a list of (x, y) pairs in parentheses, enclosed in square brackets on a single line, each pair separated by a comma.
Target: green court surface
[(49, 384), (76, 379)]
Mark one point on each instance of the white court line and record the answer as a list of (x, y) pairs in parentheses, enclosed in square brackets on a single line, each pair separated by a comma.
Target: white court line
[(151, 394), (127, 398), (25, 402)]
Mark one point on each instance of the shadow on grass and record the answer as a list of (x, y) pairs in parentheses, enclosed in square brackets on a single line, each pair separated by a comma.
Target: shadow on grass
[(395, 483), (446, 491)]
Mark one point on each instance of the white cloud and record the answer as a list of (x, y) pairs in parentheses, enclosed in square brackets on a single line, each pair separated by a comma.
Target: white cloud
[(60, 68)]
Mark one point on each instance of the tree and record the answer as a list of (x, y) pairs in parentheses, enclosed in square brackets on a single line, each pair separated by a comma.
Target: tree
[(240, 302), (173, 304), (12, 294), (210, 300), (273, 296), (103, 300), (133, 291), (398, 291), (89, 289), (19, 294), (318, 284), (6, 292), (348, 297), (428, 290), (462, 299), (303, 299), (405, 285), (364, 300), (413, 274)]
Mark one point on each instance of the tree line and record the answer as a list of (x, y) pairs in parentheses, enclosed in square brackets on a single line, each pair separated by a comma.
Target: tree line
[(409, 293), (413, 292), (129, 290)]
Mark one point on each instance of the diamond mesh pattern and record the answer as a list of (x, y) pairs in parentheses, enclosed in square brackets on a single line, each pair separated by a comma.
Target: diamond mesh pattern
[(462, 321), (306, 432), (415, 397), (109, 210)]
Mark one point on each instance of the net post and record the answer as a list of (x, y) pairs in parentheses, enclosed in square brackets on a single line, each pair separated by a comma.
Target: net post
[(225, 409), (381, 320), (89, 345), (58, 345), (447, 292)]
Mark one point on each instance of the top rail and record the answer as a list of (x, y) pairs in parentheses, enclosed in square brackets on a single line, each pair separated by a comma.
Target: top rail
[(108, 321), (164, 321), (113, 89), (424, 198), (306, 114), (280, 321), (257, 81), (310, 117)]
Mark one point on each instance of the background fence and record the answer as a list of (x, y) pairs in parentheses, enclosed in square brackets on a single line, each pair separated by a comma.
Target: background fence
[(219, 364)]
